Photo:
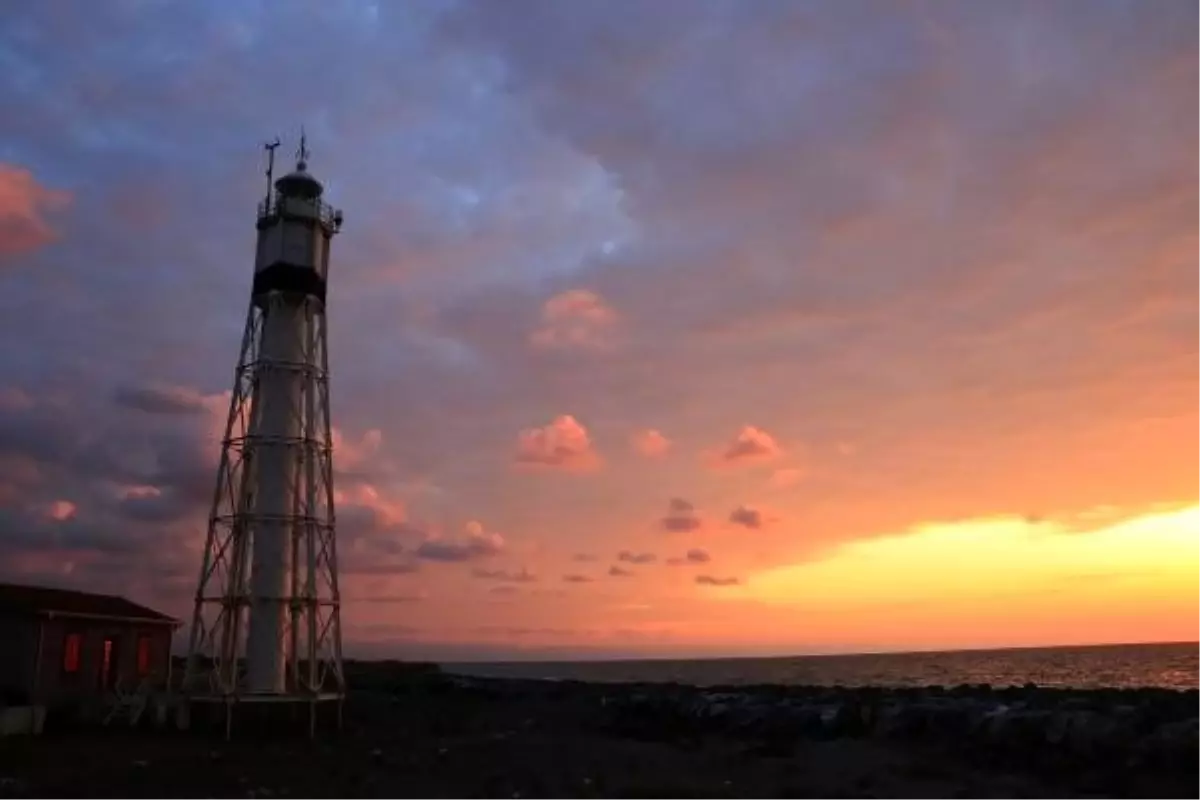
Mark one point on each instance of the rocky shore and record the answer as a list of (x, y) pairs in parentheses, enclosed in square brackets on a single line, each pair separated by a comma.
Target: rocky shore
[(412, 731), (1143, 726), (1104, 737)]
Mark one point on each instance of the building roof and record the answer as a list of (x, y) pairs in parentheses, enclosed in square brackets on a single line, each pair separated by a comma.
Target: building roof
[(43, 600)]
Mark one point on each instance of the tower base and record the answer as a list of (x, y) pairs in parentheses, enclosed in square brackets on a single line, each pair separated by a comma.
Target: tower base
[(273, 715)]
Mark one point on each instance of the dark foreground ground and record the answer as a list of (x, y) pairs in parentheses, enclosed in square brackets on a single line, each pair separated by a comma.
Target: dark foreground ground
[(414, 735)]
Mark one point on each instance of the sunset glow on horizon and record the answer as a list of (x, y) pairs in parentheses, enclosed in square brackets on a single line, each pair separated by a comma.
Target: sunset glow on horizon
[(658, 329)]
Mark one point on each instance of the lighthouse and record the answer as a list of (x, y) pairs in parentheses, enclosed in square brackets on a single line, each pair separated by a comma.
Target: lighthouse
[(267, 618)]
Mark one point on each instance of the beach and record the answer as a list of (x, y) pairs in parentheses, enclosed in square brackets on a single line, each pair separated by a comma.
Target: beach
[(412, 731)]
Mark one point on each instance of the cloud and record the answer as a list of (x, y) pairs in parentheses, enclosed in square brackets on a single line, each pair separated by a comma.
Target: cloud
[(576, 578), (783, 478), (391, 565), (751, 445), (563, 444), (649, 443), (89, 488), (584, 558), (386, 599), (507, 630), (350, 455), (620, 572), (636, 558), (747, 517), (1001, 261), (24, 204), (692, 556), (373, 542), (576, 319), (155, 399), (153, 505), (12, 399), (477, 544), (61, 510), (504, 576), (362, 495), (681, 516), (709, 580)]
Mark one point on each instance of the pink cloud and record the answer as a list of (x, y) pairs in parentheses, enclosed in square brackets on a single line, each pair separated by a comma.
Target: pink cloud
[(563, 444), (479, 543), (650, 443), (783, 478), (61, 510), (692, 556), (750, 445), (23, 206), (349, 454), (387, 511), (747, 517), (709, 580), (522, 575), (577, 319), (636, 558), (681, 516), (138, 492)]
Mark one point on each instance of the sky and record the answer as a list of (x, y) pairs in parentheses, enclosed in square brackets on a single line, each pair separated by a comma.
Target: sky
[(673, 328)]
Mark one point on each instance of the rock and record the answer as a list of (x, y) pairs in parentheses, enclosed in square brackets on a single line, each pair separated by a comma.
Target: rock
[(1084, 733), (1175, 744), (849, 719), (1070, 728), (1021, 730), (14, 786)]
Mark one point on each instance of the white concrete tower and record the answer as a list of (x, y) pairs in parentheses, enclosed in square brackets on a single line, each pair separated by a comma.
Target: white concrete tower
[(267, 616)]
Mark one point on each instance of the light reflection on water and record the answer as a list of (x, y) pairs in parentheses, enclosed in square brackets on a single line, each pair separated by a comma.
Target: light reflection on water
[(1173, 666)]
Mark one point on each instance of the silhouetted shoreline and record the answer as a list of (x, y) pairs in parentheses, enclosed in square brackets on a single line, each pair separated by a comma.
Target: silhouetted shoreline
[(412, 731)]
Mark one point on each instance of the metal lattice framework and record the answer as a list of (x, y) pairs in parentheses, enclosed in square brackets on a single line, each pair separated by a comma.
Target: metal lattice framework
[(216, 656)]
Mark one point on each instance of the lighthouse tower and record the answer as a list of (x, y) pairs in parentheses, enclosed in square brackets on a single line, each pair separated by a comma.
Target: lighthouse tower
[(266, 625)]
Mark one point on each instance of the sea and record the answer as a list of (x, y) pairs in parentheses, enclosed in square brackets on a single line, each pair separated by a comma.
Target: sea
[(1174, 666)]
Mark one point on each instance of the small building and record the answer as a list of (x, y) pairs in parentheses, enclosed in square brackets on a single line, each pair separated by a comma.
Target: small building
[(60, 647)]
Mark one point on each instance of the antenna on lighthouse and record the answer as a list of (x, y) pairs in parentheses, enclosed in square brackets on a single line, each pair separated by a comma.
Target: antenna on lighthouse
[(270, 148), (266, 629), (302, 153)]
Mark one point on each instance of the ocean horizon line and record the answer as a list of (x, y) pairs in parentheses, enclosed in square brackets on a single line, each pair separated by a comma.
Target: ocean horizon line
[(590, 658)]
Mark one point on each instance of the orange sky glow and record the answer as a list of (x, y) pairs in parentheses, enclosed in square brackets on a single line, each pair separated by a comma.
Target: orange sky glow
[(780, 329)]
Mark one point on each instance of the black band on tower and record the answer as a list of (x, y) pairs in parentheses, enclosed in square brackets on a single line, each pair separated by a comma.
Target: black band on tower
[(289, 279)]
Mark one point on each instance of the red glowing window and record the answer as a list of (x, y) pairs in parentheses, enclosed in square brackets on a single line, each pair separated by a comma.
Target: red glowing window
[(71, 647), (143, 655)]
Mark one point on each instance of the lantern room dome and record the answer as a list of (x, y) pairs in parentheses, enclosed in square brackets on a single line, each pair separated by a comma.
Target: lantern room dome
[(299, 183)]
